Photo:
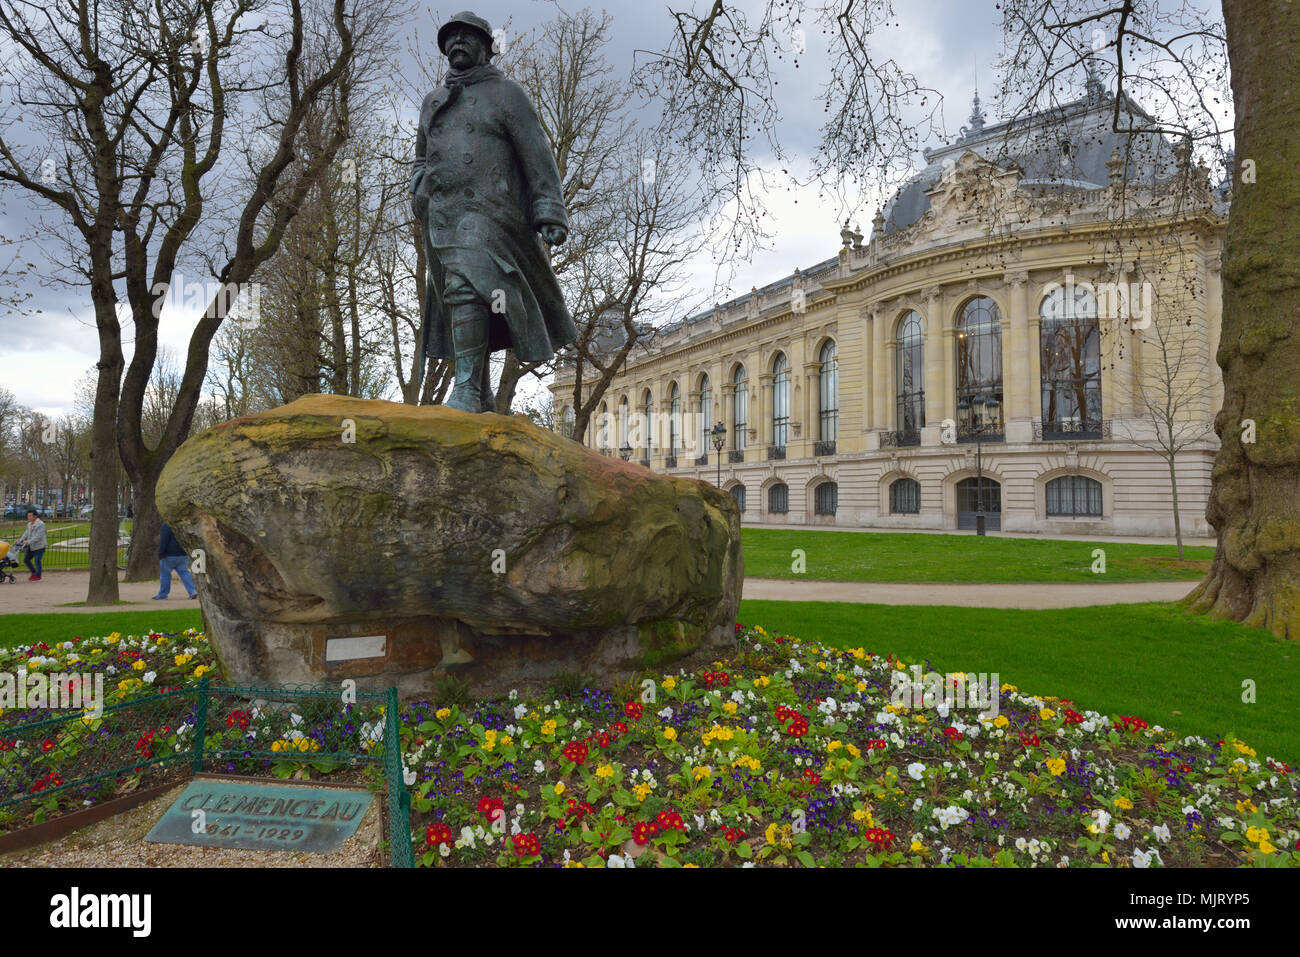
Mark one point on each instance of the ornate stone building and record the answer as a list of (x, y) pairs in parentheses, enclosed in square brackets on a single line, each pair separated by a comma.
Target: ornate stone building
[(1003, 349)]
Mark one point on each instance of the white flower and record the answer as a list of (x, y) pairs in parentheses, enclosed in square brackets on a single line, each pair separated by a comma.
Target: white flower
[(149, 676), (1143, 858), (444, 850), (538, 767), (1161, 833), (520, 711), (1021, 844), (665, 713), (408, 776), (915, 770), (1121, 831), (616, 861)]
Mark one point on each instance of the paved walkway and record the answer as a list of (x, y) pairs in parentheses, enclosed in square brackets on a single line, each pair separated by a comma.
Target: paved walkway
[(1014, 595), (58, 591)]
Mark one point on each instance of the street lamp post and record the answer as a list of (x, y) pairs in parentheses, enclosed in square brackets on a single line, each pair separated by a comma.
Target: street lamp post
[(719, 434)]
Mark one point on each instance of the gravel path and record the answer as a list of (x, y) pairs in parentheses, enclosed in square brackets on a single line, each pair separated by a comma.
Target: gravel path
[(58, 589), (119, 842), (1029, 595)]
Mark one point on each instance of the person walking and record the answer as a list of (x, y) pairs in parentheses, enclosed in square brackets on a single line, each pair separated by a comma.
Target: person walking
[(34, 541), (171, 557)]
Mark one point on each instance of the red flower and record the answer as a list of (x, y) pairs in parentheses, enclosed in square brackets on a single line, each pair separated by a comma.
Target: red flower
[(634, 710), (527, 845), (437, 834), (7, 745), (620, 727), (1132, 724), (576, 751), (1072, 716), (812, 777), (670, 820), (642, 831), (720, 678), (732, 834), (877, 743), (604, 740), (47, 745), (879, 836), (1029, 740), (491, 807), (952, 734)]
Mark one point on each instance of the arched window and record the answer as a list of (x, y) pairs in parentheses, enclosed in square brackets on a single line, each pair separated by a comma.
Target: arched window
[(829, 393), (979, 496), (911, 379), (1070, 362), (674, 419), (738, 493), (739, 409), (905, 497), (603, 433), (979, 371), (826, 498), (705, 411), (778, 499), (780, 401), (623, 424), (1073, 496), (567, 422)]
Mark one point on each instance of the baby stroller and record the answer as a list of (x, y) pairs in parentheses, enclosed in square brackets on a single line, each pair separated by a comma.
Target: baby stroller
[(7, 563)]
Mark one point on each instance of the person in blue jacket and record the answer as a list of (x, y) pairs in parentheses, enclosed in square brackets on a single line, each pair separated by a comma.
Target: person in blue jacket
[(171, 557)]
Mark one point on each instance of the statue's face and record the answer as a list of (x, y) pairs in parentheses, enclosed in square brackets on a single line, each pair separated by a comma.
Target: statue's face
[(465, 48)]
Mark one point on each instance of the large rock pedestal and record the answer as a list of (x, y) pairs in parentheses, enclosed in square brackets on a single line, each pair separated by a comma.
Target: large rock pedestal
[(346, 538)]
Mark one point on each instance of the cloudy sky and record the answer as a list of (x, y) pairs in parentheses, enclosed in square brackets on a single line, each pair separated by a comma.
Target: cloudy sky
[(943, 42)]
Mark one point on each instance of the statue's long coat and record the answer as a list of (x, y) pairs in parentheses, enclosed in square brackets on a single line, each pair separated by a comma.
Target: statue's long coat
[(485, 180)]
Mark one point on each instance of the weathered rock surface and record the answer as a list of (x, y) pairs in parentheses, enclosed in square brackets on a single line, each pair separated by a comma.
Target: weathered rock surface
[(476, 543)]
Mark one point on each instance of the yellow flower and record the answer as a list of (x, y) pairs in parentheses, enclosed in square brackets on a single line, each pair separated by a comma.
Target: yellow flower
[(1010, 688), (861, 815), (700, 772), (1265, 847), (861, 686), (1056, 766), (917, 847), (112, 639), (670, 734), (1256, 835), (840, 676), (730, 707), (1249, 752), (1247, 806), (1000, 721), (1123, 803), (900, 665), (853, 750), (821, 665), (669, 683), (442, 714), (182, 660), (548, 726), (1047, 714), (920, 719), (685, 866), (123, 685), (1105, 856), (559, 785), (859, 653), (506, 741), (642, 791), (747, 761), (834, 746), (201, 670), (762, 682), (605, 771), (138, 664)]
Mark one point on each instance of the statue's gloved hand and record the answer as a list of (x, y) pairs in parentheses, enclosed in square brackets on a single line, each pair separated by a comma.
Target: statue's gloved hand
[(553, 235)]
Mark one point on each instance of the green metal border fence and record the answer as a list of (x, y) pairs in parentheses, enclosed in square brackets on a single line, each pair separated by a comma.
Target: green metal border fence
[(73, 754)]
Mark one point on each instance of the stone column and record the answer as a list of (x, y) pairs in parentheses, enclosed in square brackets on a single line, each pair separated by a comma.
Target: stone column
[(879, 384), (938, 361), (1015, 366)]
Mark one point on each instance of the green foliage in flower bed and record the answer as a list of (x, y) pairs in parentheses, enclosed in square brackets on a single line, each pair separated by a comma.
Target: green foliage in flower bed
[(793, 754), (904, 557)]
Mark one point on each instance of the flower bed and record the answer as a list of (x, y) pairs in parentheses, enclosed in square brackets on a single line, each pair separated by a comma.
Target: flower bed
[(792, 754), (156, 740), (788, 754)]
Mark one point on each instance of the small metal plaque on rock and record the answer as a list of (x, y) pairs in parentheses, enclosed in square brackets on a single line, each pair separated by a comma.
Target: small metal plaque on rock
[(261, 817)]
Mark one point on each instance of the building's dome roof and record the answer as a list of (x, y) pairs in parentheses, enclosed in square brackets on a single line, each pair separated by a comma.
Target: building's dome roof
[(1066, 148)]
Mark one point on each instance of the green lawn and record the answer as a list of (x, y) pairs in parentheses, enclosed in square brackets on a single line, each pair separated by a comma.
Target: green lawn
[(29, 629), (1155, 661), (903, 557)]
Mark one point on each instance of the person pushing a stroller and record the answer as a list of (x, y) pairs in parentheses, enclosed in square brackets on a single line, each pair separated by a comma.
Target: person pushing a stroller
[(34, 542)]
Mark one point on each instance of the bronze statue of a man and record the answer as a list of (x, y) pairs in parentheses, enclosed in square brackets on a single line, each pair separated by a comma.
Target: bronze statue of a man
[(485, 186)]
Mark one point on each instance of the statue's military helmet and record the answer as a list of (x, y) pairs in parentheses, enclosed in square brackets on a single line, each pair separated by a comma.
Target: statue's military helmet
[(466, 19)]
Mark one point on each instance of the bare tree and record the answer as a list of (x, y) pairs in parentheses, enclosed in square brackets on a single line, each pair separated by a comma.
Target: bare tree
[(142, 97)]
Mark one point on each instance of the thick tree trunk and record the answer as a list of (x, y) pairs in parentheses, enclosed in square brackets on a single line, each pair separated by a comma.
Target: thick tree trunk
[(1255, 499), (103, 479), (145, 532)]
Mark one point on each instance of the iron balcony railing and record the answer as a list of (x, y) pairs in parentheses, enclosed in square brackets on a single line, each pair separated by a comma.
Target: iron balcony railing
[(1071, 429), (775, 452), (736, 455), (824, 448), (900, 438)]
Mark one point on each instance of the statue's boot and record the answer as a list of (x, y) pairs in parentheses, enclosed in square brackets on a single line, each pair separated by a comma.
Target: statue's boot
[(469, 338)]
